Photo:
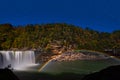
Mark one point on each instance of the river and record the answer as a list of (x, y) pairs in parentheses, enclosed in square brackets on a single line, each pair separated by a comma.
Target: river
[(53, 69)]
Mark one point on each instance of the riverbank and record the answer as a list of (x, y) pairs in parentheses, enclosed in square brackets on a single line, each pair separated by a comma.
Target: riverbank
[(72, 56)]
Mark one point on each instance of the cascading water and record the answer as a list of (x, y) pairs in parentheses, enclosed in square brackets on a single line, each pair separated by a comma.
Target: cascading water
[(16, 59)]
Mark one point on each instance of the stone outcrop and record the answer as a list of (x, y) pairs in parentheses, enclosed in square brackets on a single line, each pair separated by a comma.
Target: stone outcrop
[(110, 73), (72, 56), (6, 74)]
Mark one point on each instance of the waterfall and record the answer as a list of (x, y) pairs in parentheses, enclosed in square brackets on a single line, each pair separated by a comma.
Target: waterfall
[(16, 59)]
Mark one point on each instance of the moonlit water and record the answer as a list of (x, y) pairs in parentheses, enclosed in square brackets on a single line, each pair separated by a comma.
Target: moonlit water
[(17, 59)]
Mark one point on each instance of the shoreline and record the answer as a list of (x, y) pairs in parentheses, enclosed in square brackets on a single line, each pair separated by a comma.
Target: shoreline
[(72, 56)]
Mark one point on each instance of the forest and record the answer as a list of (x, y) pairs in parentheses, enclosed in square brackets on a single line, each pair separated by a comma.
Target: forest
[(65, 35)]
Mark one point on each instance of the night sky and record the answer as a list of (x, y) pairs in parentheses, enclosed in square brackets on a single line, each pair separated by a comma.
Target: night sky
[(101, 15)]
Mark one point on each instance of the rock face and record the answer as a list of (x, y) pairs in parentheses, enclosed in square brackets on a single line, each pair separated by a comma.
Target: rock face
[(6, 74), (72, 56), (110, 73)]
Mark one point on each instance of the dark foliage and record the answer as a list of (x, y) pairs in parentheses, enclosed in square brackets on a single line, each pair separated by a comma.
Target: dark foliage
[(69, 36)]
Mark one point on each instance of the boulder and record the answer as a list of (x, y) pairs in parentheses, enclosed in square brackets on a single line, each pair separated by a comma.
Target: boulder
[(7, 74), (110, 73)]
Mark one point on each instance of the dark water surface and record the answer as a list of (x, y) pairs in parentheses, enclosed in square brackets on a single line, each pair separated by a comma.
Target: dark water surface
[(66, 70)]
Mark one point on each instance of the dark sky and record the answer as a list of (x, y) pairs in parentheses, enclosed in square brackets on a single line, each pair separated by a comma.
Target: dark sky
[(102, 15)]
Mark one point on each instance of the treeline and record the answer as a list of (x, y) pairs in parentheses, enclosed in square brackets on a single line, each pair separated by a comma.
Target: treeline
[(69, 36)]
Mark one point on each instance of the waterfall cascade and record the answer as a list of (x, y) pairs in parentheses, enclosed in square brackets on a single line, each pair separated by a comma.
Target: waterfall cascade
[(16, 59)]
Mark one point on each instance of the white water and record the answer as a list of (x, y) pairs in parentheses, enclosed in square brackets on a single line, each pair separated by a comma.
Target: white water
[(17, 59)]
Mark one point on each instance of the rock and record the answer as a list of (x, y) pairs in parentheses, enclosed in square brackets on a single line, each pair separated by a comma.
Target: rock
[(110, 73), (7, 74)]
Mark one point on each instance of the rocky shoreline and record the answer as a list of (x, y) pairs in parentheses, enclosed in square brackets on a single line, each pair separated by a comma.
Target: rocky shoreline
[(72, 56)]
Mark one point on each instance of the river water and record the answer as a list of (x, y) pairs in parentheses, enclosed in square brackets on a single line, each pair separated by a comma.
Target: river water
[(80, 66), (77, 67)]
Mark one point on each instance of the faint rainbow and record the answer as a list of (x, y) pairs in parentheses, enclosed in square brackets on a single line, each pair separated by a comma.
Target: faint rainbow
[(45, 64)]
